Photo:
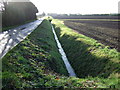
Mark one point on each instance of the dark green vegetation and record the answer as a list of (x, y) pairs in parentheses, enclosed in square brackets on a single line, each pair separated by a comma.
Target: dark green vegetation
[(74, 15), (87, 16), (36, 63), (26, 62), (88, 57), (14, 13), (14, 26)]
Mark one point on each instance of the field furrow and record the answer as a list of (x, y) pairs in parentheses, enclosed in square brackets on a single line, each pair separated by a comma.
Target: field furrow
[(104, 34)]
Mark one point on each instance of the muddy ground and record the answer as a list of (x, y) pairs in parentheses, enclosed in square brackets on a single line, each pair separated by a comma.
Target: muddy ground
[(105, 32)]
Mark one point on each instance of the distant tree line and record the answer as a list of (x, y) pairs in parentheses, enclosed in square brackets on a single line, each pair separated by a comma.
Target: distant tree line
[(84, 16), (14, 13), (55, 14), (39, 15)]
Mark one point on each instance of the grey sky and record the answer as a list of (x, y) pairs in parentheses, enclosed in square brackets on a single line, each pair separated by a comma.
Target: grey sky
[(77, 6)]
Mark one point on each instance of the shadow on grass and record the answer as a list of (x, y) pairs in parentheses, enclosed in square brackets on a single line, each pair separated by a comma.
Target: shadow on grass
[(83, 61)]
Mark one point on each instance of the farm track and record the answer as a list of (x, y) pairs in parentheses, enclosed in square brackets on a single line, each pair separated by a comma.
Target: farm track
[(104, 35), (12, 37)]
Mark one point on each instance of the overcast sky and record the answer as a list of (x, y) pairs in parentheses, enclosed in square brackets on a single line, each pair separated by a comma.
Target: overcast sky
[(77, 6)]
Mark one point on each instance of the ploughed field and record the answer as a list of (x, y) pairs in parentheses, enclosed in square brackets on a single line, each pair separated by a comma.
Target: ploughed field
[(103, 30)]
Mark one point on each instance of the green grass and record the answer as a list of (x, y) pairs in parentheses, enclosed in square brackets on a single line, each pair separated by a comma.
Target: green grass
[(25, 62), (36, 63), (88, 57)]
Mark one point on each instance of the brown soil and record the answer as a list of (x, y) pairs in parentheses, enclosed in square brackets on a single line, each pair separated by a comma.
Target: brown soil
[(105, 32)]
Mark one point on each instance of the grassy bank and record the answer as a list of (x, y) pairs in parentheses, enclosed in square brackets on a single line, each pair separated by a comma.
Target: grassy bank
[(88, 57), (36, 63), (37, 55)]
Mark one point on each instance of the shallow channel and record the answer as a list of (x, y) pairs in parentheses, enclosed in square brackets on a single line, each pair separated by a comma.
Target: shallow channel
[(65, 59)]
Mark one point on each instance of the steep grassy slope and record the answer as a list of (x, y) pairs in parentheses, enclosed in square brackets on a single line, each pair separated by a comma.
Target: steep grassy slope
[(27, 60), (88, 57), (36, 63)]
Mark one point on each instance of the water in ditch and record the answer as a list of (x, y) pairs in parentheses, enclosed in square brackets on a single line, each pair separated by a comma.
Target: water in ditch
[(65, 59)]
